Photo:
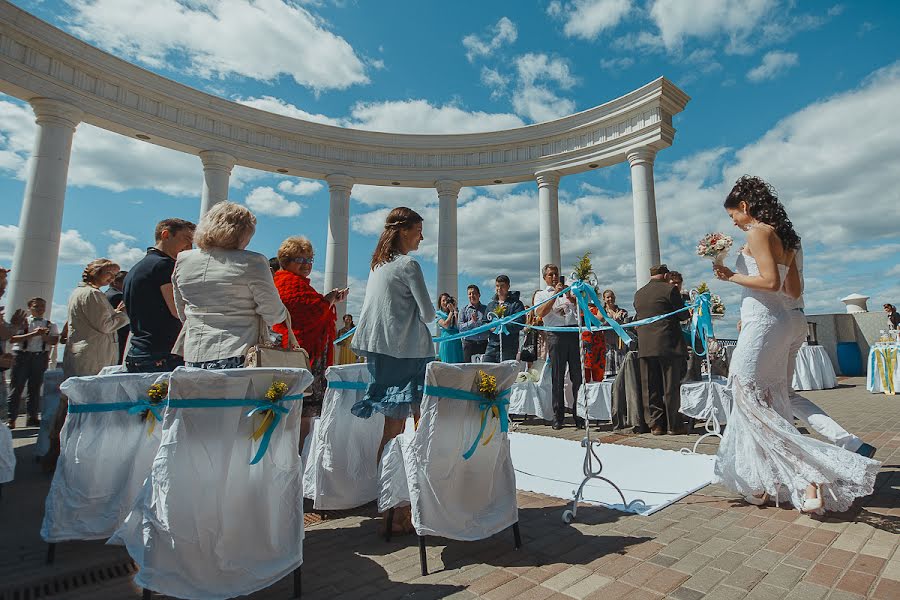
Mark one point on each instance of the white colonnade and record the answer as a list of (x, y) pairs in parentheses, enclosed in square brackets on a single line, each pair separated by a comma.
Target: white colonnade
[(217, 168), (337, 250), (646, 233)]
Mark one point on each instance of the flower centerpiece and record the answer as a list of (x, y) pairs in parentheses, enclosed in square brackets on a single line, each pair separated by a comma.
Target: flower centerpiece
[(584, 270), (275, 393), (715, 246), (487, 387), (716, 306)]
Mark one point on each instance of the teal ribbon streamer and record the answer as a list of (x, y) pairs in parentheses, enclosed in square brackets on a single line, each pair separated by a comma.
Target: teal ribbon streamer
[(110, 407), (257, 406), (142, 405), (348, 385), (484, 404), (701, 322), (585, 294)]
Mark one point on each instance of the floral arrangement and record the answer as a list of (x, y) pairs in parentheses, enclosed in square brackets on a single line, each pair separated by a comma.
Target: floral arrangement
[(157, 393), (715, 246), (500, 310), (276, 392), (487, 385), (529, 376), (583, 270), (716, 306)]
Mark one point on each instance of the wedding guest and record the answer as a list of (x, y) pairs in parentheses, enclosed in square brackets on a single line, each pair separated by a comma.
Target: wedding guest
[(91, 341), (150, 300), (31, 345), (473, 315), (562, 348), (593, 344), (615, 347), (661, 353), (393, 333), (274, 265), (345, 353), (447, 316), (222, 273), (504, 304), (313, 319), (115, 296), (762, 453), (6, 331), (892, 315), (534, 346)]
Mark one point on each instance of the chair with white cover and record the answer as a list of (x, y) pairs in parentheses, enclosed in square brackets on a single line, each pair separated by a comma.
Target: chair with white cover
[(7, 456), (107, 445), (453, 496), (341, 470), (207, 523)]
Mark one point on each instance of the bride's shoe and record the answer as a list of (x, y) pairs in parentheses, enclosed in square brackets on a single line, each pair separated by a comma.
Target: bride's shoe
[(758, 500), (814, 505)]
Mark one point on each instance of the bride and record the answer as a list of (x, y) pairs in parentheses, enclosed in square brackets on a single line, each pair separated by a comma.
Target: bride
[(762, 454)]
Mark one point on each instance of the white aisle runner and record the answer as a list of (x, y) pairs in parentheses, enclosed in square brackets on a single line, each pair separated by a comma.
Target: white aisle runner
[(553, 467)]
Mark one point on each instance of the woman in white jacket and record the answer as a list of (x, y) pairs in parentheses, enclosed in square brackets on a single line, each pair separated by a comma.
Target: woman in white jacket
[(393, 332), (223, 293)]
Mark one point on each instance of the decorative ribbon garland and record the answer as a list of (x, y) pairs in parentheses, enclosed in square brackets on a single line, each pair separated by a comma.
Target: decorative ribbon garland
[(487, 406)]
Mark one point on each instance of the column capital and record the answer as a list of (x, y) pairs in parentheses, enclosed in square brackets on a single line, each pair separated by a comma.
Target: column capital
[(48, 110), (547, 179), (638, 156), (339, 181), (214, 159), (447, 187)]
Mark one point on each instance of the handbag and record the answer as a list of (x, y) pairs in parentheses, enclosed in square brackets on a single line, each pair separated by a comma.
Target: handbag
[(529, 347), (267, 354)]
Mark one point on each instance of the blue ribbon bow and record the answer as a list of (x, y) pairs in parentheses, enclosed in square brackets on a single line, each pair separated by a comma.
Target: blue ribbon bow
[(144, 404), (585, 294), (701, 322), (484, 405)]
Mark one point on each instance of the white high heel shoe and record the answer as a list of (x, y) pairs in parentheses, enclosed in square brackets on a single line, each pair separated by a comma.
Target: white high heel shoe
[(758, 500), (814, 505)]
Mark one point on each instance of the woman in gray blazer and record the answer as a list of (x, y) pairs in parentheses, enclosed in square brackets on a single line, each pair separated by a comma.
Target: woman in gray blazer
[(224, 294)]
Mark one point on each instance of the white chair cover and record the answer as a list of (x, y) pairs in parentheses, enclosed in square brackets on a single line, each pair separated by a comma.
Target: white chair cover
[(698, 398), (814, 370), (208, 524), (53, 378), (450, 496), (341, 471), (599, 400), (7, 454), (113, 370), (104, 458), (536, 399)]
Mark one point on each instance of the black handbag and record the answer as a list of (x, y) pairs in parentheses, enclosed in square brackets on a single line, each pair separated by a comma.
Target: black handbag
[(529, 346)]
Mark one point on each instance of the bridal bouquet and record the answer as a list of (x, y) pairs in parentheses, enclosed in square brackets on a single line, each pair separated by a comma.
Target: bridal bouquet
[(715, 246)]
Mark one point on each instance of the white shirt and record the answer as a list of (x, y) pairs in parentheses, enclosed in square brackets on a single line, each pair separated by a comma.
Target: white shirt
[(396, 312), (563, 312), (795, 303), (36, 343)]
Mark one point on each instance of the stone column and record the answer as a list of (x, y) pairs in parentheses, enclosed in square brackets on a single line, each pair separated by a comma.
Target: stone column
[(548, 209), (216, 174), (646, 234), (447, 266), (337, 249), (40, 224)]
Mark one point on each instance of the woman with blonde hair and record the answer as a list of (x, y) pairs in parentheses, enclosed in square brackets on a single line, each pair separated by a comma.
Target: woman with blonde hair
[(313, 320), (224, 294)]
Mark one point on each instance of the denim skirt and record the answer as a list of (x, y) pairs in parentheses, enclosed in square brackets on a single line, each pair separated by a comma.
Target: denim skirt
[(396, 388)]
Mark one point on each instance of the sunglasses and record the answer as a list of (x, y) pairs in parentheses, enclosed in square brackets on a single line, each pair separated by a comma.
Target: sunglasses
[(302, 260)]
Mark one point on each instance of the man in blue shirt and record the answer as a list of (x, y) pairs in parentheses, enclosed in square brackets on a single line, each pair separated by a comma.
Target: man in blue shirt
[(150, 301), (473, 315)]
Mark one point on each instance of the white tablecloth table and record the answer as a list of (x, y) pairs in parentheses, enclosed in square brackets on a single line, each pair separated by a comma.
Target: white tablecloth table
[(698, 398), (599, 400), (814, 369), (883, 369)]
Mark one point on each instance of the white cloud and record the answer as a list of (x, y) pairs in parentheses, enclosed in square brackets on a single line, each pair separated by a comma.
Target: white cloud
[(678, 20), (616, 64), (124, 255), (262, 40), (118, 235), (415, 198), (74, 249), (300, 187), (534, 67), (538, 78), (266, 201), (280, 107), (504, 32), (495, 80), (774, 64), (587, 19), (420, 116)]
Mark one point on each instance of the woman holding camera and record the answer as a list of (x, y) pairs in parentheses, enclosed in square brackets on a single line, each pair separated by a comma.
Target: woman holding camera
[(447, 316)]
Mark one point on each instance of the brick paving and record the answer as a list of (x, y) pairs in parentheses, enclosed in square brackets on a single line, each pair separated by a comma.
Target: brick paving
[(708, 545)]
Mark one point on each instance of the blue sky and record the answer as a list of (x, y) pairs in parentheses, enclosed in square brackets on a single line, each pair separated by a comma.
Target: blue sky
[(800, 93)]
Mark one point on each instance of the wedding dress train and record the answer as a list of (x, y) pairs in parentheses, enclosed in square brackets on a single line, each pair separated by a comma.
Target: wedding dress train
[(761, 450)]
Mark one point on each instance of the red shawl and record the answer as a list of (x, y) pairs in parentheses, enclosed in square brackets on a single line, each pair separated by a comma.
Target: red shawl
[(312, 319)]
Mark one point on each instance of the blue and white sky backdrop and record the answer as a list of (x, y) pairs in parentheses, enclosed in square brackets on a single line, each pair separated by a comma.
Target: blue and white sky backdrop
[(801, 93)]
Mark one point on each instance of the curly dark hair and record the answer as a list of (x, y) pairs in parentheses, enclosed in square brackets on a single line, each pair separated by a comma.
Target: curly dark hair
[(764, 206)]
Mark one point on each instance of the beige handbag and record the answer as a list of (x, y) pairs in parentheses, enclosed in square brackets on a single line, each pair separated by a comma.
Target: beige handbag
[(267, 354)]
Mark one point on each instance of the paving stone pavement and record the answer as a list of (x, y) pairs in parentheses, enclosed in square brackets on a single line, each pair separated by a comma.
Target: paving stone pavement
[(708, 545)]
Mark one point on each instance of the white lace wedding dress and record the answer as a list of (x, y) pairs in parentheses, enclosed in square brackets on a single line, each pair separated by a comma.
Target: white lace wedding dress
[(761, 450)]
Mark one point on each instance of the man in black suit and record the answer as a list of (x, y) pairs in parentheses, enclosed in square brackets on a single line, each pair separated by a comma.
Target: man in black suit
[(661, 352)]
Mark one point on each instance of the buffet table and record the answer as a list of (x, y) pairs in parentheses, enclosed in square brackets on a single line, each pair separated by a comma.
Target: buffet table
[(883, 369)]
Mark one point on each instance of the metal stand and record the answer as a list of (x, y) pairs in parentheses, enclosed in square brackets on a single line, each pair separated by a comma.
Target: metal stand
[(588, 444), (298, 590), (712, 426)]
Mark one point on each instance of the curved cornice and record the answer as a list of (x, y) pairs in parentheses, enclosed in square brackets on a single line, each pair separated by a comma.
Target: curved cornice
[(38, 60)]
